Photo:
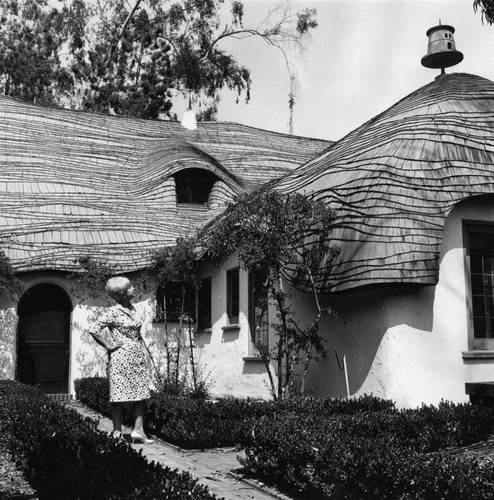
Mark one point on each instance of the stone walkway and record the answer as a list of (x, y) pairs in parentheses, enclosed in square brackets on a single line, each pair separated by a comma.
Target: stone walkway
[(212, 468)]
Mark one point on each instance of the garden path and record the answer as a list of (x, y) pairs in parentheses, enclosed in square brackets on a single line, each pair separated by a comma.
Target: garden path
[(212, 468)]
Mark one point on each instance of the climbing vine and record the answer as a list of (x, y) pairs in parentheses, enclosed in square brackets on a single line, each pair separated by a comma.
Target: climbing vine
[(177, 267), (90, 279), (9, 282), (281, 238)]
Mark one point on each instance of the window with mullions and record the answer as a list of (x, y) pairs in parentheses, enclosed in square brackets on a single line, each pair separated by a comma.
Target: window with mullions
[(481, 255), (174, 301), (232, 296), (258, 312)]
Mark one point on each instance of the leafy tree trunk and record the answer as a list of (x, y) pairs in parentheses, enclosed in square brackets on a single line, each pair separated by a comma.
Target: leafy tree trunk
[(283, 351), (287, 352), (177, 355), (273, 233), (266, 358), (280, 368), (179, 339), (192, 360), (310, 345), (308, 357), (167, 340)]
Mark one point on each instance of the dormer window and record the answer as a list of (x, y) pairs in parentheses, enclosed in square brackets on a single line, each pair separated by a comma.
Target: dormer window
[(193, 186)]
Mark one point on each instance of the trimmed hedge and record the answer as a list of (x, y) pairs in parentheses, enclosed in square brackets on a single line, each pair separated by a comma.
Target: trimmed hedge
[(361, 448), (368, 456), (186, 422), (195, 423), (65, 456)]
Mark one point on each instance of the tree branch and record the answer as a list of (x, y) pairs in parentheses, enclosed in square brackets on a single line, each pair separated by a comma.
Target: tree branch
[(127, 21)]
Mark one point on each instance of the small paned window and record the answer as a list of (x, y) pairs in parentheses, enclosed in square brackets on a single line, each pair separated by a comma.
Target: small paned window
[(232, 296), (193, 186), (204, 304), (481, 256), (258, 312), (175, 301)]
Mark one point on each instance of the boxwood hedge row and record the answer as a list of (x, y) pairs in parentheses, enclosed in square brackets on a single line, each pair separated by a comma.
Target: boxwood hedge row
[(361, 448), (65, 456), (198, 423), (369, 455)]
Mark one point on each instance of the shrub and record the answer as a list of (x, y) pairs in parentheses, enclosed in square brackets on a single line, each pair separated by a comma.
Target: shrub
[(368, 455), (65, 456), (184, 421), (195, 423), (94, 392), (333, 406), (334, 448)]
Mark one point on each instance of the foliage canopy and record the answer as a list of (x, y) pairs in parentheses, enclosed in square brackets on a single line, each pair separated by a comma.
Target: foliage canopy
[(486, 8), (276, 235), (113, 56), (280, 236)]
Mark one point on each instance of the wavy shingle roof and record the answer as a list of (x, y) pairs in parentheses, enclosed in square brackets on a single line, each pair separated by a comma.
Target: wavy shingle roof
[(394, 180), (74, 184)]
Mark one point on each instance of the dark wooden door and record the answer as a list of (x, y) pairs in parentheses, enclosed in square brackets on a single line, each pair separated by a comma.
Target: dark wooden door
[(43, 338)]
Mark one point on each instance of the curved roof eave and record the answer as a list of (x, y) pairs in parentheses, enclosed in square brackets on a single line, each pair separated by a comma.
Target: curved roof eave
[(393, 181)]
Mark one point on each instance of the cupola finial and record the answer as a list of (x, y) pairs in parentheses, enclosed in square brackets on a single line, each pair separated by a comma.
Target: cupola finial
[(441, 51)]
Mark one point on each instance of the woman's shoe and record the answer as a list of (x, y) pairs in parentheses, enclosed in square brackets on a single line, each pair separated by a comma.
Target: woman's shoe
[(117, 435), (137, 438)]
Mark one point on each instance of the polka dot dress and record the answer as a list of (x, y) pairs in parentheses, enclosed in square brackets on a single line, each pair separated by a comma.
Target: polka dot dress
[(127, 371)]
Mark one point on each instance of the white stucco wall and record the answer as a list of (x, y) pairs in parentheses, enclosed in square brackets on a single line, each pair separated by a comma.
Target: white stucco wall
[(86, 358), (8, 328), (404, 343), (219, 353), (223, 351)]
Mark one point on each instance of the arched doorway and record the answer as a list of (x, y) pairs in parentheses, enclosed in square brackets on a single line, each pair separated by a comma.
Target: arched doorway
[(43, 338)]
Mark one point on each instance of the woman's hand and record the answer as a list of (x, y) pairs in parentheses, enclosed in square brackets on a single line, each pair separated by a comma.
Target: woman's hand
[(114, 346)]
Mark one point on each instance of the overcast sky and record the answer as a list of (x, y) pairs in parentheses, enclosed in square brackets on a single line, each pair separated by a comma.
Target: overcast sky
[(363, 58)]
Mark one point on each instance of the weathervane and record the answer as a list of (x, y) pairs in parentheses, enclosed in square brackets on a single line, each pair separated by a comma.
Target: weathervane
[(441, 51)]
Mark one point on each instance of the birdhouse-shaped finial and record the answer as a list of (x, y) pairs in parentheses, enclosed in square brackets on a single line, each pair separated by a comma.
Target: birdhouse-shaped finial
[(441, 51)]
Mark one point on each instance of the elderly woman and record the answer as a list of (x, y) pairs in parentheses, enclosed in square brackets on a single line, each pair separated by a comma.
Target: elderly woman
[(118, 330)]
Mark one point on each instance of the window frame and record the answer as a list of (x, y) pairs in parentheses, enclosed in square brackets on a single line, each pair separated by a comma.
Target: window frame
[(252, 319), (233, 303), (470, 226), (170, 317)]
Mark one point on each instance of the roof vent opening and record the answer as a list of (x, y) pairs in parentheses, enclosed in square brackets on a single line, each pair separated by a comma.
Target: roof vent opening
[(441, 51), (193, 186)]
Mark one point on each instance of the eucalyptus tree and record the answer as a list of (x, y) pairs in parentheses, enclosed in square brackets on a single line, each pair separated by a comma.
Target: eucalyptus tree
[(31, 38), (486, 8), (132, 58)]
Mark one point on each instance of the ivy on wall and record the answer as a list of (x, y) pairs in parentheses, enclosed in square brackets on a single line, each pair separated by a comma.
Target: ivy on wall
[(90, 281), (9, 282)]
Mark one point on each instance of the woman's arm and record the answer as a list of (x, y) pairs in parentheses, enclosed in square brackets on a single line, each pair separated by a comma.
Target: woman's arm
[(100, 339), (97, 330)]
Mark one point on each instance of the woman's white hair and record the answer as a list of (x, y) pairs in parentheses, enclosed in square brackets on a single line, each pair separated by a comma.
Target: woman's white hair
[(116, 286)]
